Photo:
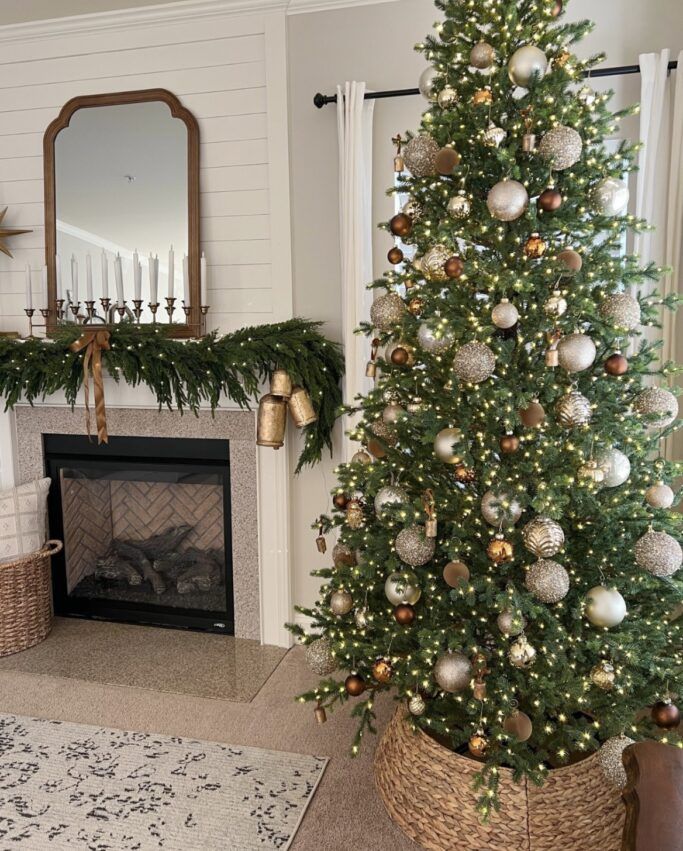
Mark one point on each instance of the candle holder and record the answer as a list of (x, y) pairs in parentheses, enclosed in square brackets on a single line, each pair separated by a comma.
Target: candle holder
[(121, 310), (106, 305), (137, 309), (90, 310), (204, 309), (30, 311), (75, 308), (170, 308), (153, 307), (60, 309), (187, 310)]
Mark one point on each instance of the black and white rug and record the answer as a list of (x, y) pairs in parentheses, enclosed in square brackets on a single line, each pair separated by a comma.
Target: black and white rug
[(68, 786)]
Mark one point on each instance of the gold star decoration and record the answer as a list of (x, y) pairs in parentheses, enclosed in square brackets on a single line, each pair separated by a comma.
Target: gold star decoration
[(5, 232)]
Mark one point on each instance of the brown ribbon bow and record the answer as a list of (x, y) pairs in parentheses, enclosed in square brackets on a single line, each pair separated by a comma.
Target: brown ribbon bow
[(94, 342)]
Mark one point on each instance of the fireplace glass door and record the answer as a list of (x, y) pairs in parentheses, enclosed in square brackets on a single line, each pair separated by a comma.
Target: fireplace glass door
[(146, 530)]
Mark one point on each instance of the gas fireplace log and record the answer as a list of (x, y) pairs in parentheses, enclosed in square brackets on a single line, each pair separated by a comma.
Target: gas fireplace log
[(136, 555), (159, 545), (113, 568), (202, 575)]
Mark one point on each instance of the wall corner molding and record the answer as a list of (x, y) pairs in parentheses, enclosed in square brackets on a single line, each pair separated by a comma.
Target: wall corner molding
[(302, 7)]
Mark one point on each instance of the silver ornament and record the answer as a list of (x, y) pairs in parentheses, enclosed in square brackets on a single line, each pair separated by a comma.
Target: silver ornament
[(543, 537), (511, 623), (611, 759), (573, 410), (453, 672), (319, 657), (361, 618), (419, 155), (525, 63), (426, 83), (576, 352), (605, 607), (361, 457), (474, 362), (447, 97), (494, 136), (445, 444), (387, 311), (414, 547), (507, 200), (437, 340), (341, 603), (389, 496), (433, 263), (556, 305), (659, 496), (659, 402), (616, 465), (417, 705), (621, 310), (393, 413), (561, 147), (611, 196), (521, 654), (459, 207), (402, 588), (500, 507), (505, 314), (548, 581), (603, 675), (413, 208), (659, 554), (482, 56)]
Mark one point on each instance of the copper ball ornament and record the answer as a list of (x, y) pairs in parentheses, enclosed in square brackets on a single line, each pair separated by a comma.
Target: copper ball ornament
[(550, 200), (519, 726), (342, 555), (557, 9), (354, 685), (454, 267), (478, 745), (616, 364), (666, 715), (382, 671), (446, 160), (456, 574), (395, 256), (401, 225), (500, 551), (509, 444), (340, 501), (533, 415), (404, 614), (535, 247), (400, 356)]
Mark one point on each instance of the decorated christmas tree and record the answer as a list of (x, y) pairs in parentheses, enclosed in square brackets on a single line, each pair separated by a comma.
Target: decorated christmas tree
[(508, 550)]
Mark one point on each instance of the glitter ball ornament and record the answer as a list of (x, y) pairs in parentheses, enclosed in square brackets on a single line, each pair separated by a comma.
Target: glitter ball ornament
[(603, 675), (659, 402), (354, 514), (616, 465), (341, 603), (556, 305), (384, 432), (382, 671), (505, 314), (521, 654), (576, 352), (433, 263), (573, 410), (500, 507), (507, 200), (511, 623), (417, 705), (500, 551), (519, 726), (666, 714), (526, 63), (319, 657), (389, 496), (659, 554), (459, 206), (447, 97), (413, 547), (561, 147), (453, 672), (474, 362), (426, 83), (611, 197), (605, 607), (387, 311), (419, 155), (445, 445), (482, 56), (548, 581), (413, 209), (361, 617), (610, 757), (494, 136), (543, 537), (435, 341), (402, 587), (659, 496), (343, 556), (621, 310), (456, 573)]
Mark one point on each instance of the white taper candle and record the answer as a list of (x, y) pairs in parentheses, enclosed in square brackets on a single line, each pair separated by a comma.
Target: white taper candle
[(74, 279), (204, 282), (171, 273), (29, 291), (186, 281), (105, 275), (118, 274), (88, 278), (58, 276)]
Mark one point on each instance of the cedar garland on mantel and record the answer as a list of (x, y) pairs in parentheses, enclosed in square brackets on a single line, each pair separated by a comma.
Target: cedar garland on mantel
[(184, 374)]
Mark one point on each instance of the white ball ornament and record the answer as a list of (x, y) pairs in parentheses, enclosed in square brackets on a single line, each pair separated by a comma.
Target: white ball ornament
[(435, 341), (474, 362), (659, 496), (389, 496), (501, 507), (426, 83), (621, 310), (605, 607), (402, 588), (453, 672), (505, 315), (525, 63), (507, 200), (446, 445), (659, 554), (548, 581), (611, 196), (657, 401), (616, 465), (576, 352), (561, 147)]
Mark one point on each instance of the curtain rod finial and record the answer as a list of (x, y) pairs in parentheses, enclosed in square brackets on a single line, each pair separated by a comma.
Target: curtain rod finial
[(320, 100)]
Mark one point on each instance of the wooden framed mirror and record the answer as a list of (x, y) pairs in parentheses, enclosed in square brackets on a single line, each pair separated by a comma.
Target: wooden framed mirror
[(122, 213)]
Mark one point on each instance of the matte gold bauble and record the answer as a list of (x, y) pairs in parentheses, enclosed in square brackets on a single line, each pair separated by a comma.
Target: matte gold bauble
[(535, 247), (507, 200), (550, 200), (482, 97), (533, 415), (509, 444), (616, 364), (464, 475), (605, 607), (500, 551), (446, 160), (401, 225), (526, 63), (454, 267), (354, 685), (361, 458), (519, 726), (478, 745), (404, 614), (570, 260), (666, 715), (456, 573), (445, 444), (482, 56), (395, 256), (382, 671), (659, 496), (402, 588), (603, 675), (341, 603)]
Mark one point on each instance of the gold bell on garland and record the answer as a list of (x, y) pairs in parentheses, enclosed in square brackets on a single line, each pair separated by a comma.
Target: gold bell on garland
[(320, 714), (272, 421), (301, 408), (281, 384)]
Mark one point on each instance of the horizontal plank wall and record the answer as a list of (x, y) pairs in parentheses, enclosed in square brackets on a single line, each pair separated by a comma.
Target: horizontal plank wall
[(230, 70)]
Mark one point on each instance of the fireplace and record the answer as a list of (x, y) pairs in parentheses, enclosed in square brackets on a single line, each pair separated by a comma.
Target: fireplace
[(146, 525)]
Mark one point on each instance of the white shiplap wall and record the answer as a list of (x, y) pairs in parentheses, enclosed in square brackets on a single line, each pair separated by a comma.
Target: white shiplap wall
[(230, 71)]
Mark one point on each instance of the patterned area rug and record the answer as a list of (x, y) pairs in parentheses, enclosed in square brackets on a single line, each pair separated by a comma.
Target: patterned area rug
[(68, 786)]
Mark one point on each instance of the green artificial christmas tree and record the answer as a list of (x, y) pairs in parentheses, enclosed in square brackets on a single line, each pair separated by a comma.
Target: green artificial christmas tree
[(508, 557)]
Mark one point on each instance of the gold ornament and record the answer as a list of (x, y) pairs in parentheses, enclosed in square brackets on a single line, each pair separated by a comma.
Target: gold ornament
[(521, 654), (464, 475), (500, 551), (482, 97), (382, 671), (453, 672), (417, 705), (561, 59), (482, 56), (611, 756), (354, 514), (603, 675), (478, 744), (535, 247), (402, 588), (444, 444), (556, 305), (561, 147), (591, 471), (416, 305), (389, 496), (301, 408), (456, 573), (659, 496), (414, 547), (494, 136), (507, 200), (361, 618), (474, 362), (387, 311), (271, 422), (447, 97), (505, 315), (605, 607), (655, 401), (459, 207), (343, 556), (659, 554), (320, 658), (518, 725), (419, 155), (341, 603), (573, 410), (543, 537), (434, 261), (621, 310), (576, 352), (497, 508), (526, 63), (361, 458)]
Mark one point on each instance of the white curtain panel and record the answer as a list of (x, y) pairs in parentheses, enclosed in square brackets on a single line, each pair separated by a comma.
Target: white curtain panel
[(354, 125), (673, 283)]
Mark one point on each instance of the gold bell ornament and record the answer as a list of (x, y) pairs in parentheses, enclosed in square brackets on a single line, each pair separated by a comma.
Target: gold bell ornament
[(281, 384), (272, 421), (320, 714), (371, 368), (320, 541), (430, 509), (552, 356), (529, 137), (301, 408), (399, 163)]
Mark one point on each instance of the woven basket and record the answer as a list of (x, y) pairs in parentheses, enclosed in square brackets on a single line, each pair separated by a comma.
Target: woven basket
[(25, 600), (427, 790)]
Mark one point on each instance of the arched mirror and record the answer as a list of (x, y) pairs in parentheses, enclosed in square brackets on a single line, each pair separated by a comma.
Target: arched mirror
[(122, 212)]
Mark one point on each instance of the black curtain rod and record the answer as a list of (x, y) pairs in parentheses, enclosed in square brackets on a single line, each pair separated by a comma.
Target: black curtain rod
[(322, 100)]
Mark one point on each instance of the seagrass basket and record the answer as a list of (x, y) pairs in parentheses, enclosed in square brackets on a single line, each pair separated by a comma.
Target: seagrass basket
[(25, 600), (427, 790)]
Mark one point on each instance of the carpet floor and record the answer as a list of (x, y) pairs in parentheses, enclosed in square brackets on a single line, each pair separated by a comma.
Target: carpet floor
[(346, 813)]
